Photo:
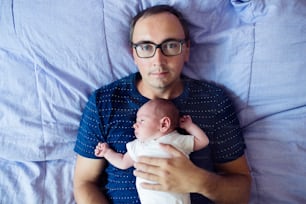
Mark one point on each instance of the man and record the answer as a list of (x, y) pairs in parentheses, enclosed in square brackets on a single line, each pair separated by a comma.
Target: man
[(218, 173)]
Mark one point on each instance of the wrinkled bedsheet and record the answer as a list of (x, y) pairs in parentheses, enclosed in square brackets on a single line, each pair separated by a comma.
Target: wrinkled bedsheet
[(53, 54)]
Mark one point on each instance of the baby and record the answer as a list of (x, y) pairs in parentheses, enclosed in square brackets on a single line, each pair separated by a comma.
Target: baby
[(156, 122)]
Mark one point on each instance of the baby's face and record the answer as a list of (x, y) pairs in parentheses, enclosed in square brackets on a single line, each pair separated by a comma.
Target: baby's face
[(147, 124)]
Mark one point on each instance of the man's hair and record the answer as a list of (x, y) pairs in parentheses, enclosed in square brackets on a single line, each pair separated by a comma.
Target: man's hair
[(164, 107), (157, 10)]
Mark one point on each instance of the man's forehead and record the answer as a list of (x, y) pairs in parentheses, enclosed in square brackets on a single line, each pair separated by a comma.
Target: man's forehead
[(158, 27)]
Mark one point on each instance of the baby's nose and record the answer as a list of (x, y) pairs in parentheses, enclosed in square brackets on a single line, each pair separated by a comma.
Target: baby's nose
[(135, 125)]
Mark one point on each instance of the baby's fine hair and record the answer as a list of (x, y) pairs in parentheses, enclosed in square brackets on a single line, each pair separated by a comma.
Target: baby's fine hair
[(164, 107)]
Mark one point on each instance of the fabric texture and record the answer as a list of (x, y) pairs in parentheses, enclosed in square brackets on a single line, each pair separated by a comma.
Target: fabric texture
[(54, 54)]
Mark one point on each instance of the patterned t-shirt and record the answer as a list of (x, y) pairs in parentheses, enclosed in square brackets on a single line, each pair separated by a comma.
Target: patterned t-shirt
[(111, 112)]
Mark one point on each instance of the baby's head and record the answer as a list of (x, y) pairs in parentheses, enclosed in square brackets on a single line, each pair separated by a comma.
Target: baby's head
[(155, 118)]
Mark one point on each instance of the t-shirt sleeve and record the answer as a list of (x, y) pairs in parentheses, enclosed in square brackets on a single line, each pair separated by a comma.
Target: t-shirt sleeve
[(89, 133), (228, 143), (131, 149)]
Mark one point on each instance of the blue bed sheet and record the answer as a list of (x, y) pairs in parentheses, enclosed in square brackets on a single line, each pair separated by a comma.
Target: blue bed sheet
[(53, 54)]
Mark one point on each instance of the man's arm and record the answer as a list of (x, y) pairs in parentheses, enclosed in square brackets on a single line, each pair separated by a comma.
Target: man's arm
[(86, 181), (179, 174), (233, 182)]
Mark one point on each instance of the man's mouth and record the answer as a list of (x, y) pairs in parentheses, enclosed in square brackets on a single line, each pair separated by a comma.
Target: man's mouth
[(159, 74)]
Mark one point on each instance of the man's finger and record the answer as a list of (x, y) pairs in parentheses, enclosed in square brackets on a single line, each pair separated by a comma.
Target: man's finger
[(150, 161), (172, 150), (145, 175), (149, 186), (147, 164)]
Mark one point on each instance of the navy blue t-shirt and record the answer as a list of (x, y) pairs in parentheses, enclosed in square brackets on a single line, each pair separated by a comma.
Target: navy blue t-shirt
[(111, 112)]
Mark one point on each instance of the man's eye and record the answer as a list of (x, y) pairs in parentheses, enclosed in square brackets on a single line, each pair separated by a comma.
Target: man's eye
[(172, 45), (146, 47)]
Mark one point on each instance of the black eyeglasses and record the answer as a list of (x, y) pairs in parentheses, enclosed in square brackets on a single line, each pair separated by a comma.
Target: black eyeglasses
[(170, 47)]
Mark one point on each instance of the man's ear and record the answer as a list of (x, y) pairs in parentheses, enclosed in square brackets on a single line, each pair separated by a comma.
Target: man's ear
[(132, 51), (165, 124)]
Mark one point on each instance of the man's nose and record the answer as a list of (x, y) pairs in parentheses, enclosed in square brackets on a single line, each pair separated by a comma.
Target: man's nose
[(159, 56)]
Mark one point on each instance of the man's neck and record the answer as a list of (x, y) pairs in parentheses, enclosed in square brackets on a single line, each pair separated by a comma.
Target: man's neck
[(156, 92)]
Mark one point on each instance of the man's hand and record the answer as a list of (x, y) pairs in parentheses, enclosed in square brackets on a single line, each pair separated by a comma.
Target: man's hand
[(179, 174), (171, 174)]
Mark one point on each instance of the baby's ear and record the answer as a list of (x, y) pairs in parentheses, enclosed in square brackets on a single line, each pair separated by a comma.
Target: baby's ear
[(165, 124)]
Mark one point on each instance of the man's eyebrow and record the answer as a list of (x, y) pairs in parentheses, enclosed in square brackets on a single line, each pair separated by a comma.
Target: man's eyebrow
[(147, 41), (144, 41)]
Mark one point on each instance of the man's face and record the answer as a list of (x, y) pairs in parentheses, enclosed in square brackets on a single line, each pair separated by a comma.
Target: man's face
[(160, 71)]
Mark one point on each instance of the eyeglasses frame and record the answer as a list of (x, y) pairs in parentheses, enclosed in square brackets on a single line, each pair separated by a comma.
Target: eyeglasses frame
[(181, 41)]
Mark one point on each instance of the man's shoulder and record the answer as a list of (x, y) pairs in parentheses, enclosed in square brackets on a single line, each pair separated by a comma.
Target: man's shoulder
[(203, 86), (126, 81), (119, 87)]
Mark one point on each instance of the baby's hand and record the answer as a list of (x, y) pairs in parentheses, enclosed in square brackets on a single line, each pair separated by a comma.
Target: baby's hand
[(185, 121), (101, 149)]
